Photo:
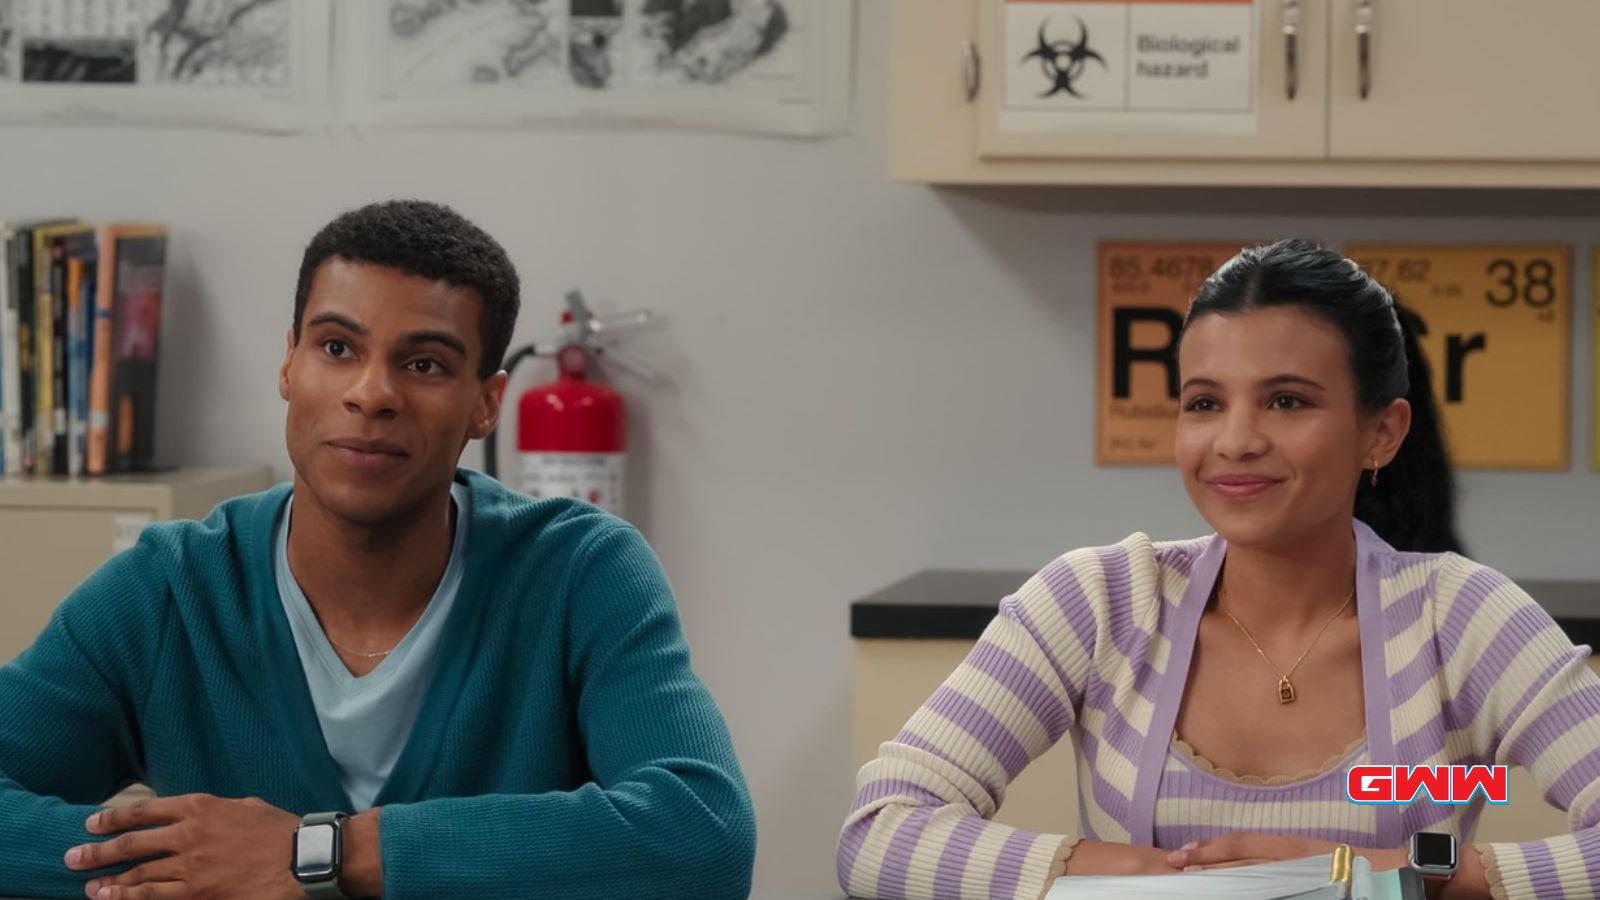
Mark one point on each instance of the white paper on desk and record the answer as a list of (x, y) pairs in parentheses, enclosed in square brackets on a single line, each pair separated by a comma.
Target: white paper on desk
[(1296, 879)]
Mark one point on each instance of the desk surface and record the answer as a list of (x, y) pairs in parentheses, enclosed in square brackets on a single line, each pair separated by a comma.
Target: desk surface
[(958, 604)]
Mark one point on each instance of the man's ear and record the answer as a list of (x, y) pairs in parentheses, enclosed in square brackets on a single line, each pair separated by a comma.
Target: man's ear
[(283, 372), (486, 415)]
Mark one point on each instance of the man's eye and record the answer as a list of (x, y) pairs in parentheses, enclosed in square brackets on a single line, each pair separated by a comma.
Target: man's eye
[(426, 367), (335, 348)]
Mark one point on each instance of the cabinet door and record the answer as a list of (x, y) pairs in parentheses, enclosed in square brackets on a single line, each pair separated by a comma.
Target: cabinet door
[(894, 677), (1465, 80), (45, 554), (1018, 118)]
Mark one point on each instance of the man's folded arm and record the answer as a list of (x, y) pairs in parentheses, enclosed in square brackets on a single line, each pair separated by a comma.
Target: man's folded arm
[(68, 732), (667, 813), (652, 837)]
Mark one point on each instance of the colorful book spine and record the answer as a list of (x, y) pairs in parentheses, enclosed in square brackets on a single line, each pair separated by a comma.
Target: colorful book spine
[(139, 285), (91, 289), (44, 431), (28, 269), (58, 356), (19, 270), (97, 458), (79, 284), (10, 375)]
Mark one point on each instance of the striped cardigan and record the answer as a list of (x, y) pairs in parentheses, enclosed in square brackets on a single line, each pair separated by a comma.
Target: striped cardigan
[(1459, 666)]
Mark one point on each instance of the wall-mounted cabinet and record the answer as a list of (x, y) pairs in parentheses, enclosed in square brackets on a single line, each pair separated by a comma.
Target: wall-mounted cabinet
[(1341, 92)]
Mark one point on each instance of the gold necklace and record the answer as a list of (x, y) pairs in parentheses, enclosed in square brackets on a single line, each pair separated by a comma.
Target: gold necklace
[(1286, 692), (339, 646)]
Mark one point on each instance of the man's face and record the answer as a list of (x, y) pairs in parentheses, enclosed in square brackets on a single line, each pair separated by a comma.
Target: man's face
[(383, 389)]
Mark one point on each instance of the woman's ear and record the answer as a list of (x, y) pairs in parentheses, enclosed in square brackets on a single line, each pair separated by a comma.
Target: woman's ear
[(1389, 431)]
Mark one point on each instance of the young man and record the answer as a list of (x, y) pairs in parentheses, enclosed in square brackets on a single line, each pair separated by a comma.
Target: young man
[(493, 689)]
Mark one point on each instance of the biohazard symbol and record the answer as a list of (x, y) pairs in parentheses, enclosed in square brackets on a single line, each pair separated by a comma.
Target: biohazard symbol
[(1063, 61)]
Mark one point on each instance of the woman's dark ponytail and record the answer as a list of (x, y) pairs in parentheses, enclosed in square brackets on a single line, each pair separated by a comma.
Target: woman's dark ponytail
[(1413, 505)]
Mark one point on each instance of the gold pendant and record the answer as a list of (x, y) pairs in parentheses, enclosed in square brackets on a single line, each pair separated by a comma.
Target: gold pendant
[(1285, 690)]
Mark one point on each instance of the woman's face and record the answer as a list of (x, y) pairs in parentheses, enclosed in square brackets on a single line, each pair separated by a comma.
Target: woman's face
[(1270, 436)]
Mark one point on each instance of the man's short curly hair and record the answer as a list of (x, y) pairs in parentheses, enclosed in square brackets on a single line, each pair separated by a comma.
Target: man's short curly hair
[(431, 241)]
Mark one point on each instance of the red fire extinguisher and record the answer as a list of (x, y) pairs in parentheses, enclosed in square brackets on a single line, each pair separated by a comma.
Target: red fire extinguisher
[(571, 432)]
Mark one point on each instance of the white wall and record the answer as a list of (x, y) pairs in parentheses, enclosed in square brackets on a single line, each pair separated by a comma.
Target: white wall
[(866, 378)]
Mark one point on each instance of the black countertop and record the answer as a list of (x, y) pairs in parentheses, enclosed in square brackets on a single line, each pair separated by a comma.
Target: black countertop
[(958, 604)]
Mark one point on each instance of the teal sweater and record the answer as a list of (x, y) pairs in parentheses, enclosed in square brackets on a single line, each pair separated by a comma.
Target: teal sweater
[(565, 749)]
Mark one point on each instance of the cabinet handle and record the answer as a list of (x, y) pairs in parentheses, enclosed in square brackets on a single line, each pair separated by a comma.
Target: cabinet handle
[(971, 72), (1291, 46), (1365, 17)]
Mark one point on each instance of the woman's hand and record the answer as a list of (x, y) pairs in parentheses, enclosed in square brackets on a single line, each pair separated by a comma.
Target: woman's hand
[(1245, 849), (1099, 858)]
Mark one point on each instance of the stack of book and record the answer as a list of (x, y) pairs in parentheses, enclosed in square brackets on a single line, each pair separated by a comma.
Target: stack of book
[(1340, 875), (80, 328)]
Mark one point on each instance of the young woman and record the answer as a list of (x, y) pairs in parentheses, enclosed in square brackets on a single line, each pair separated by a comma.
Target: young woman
[(1218, 689)]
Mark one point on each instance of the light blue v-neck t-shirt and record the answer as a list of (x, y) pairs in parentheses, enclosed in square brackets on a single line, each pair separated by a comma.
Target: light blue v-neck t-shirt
[(366, 721)]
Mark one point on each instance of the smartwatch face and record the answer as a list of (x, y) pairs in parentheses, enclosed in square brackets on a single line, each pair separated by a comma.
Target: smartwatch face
[(1435, 850), (313, 851)]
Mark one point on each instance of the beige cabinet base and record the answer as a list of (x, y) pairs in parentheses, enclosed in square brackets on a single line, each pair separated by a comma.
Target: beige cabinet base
[(894, 677), (55, 531)]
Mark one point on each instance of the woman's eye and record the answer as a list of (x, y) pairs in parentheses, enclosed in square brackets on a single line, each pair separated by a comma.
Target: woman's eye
[(1200, 404), (1287, 401), (335, 348)]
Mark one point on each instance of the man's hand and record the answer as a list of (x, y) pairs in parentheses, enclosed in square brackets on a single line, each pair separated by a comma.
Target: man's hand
[(1245, 849), (192, 846)]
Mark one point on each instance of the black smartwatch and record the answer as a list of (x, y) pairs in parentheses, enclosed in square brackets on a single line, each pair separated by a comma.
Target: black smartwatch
[(1432, 855), (319, 855)]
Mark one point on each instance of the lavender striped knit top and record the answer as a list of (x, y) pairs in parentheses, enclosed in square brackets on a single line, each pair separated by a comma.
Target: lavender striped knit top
[(1459, 666)]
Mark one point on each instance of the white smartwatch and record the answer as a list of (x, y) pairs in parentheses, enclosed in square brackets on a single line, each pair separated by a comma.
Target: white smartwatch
[(319, 855), (1433, 855)]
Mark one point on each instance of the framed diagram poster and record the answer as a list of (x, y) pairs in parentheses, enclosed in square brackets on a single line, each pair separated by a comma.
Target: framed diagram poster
[(259, 64), (771, 66)]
